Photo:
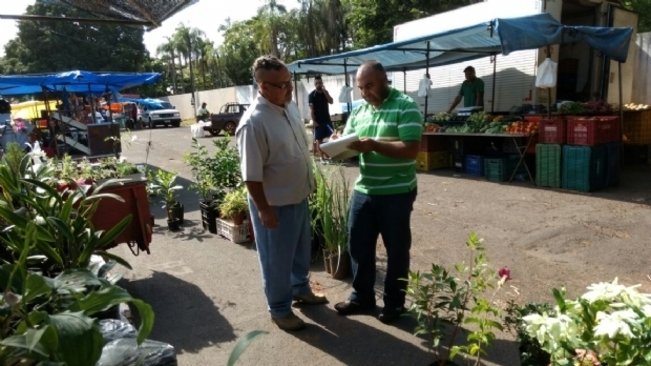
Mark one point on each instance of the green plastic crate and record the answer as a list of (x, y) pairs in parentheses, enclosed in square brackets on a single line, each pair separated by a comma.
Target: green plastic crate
[(584, 167), (495, 169), (548, 165)]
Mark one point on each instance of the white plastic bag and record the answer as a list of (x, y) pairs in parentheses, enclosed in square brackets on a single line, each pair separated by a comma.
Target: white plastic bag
[(197, 130), (546, 77)]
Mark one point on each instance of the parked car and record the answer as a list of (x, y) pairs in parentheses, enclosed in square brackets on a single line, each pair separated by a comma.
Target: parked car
[(159, 112), (227, 119)]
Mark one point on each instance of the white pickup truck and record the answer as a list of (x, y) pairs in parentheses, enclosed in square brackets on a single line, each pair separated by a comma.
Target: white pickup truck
[(160, 113)]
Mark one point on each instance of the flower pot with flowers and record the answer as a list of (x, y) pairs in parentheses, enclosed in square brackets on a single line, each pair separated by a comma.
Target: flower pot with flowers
[(610, 324)]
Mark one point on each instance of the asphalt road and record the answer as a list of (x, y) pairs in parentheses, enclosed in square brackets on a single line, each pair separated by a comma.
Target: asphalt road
[(206, 291)]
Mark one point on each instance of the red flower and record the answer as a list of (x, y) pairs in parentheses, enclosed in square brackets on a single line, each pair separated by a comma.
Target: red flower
[(505, 273)]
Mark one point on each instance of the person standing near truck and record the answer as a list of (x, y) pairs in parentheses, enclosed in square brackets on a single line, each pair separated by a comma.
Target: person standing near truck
[(472, 91), (319, 99), (203, 114)]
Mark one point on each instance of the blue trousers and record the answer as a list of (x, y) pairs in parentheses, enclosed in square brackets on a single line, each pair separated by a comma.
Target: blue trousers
[(284, 255), (389, 216)]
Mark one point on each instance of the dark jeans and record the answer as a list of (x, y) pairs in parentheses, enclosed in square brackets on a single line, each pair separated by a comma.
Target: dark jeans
[(369, 217)]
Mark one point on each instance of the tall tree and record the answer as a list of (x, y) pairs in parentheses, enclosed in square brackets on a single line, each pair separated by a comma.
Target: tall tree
[(373, 20), (45, 46)]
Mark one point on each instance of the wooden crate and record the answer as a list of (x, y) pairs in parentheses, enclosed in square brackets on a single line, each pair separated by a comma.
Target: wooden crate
[(637, 127)]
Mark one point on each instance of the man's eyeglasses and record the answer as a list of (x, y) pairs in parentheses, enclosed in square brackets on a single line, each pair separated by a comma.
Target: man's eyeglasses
[(283, 85)]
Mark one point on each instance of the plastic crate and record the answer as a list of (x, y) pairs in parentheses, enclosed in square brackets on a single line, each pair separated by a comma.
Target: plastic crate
[(495, 169), (552, 131), (592, 131), (235, 233), (426, 161), (637, 127), (473, 165), (584, 167), (548, 165)]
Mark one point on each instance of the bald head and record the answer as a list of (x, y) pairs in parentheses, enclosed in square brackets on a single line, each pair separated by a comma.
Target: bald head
[(372, 82)]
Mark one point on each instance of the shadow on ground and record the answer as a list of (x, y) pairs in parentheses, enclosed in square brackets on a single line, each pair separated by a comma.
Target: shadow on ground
[(193, 323)]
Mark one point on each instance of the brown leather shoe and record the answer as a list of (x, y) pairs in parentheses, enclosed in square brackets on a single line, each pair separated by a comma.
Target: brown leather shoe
[(310, 298), (289, 322)]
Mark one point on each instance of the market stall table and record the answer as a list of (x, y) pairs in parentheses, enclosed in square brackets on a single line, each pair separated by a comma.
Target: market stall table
[(522, 142)]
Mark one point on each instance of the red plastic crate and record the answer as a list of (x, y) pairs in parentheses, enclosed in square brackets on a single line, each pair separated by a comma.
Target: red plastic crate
[(552, 130), (592, 130)]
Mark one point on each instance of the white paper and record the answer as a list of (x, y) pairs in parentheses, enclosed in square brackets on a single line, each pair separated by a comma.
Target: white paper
[(338, 149)]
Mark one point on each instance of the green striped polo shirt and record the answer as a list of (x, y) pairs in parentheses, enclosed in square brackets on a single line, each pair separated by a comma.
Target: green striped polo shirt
[(397, 119)]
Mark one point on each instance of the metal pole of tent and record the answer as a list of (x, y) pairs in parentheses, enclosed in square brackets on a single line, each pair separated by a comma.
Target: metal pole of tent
[(349, 104), (494, 56), (549, 90), (404, 79), (427, 75)]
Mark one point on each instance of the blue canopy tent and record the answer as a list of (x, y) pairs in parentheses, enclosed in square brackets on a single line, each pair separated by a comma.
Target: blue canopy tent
[(498, 36), (76, 81), (501, 35)]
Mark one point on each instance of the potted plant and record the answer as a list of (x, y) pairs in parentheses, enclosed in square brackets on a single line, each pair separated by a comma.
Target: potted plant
[(51, 300), (165, 184), (329, 211), (214, 174), (235, 206)]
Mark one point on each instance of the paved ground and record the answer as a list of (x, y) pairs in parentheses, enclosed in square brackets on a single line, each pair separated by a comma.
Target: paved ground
[(206, 291)]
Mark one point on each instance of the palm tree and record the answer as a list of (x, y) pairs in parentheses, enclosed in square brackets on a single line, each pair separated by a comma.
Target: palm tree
[(166, 52)]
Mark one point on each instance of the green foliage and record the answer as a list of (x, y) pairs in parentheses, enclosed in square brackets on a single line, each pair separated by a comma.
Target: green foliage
[(48, 46), (214, 174), (531, 354), (329, 205), (165, 184), (50, 299), (242, 344), (371, 22), (441, 298), (235, 203)]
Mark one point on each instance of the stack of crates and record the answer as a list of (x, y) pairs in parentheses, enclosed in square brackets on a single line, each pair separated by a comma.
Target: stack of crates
[(433, 154), (578, 153)]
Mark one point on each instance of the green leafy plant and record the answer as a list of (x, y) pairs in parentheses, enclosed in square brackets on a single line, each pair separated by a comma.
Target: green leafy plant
[(448, 300), (214, 174), (50, 300), (165, 184), (531, 354), (610, 323), (242, 344), (235, 204), (329, 205)]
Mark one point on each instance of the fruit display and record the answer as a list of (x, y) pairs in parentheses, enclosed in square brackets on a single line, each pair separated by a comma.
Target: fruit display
[(525, 127)]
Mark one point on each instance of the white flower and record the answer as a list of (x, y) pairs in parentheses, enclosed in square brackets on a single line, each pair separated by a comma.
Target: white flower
[(611, 325), (606, 291), (39, 220)]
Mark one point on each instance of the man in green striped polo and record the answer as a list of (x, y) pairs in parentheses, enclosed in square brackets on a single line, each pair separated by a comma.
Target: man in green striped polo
[(389, 126)]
